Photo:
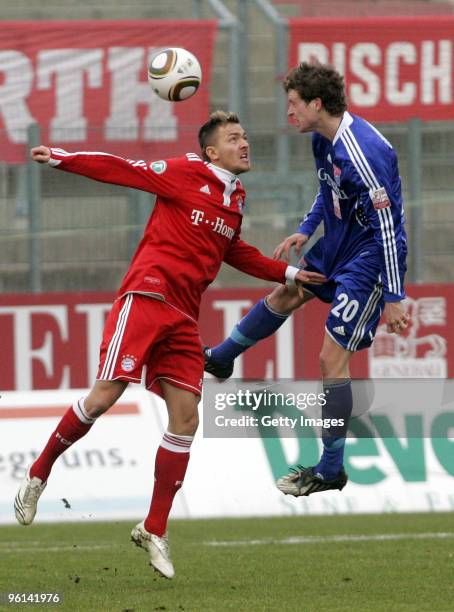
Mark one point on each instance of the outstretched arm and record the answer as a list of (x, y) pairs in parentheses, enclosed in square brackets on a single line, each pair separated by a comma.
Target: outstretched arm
[(250, 260), (164, 179), (383, 209), (386, 222)]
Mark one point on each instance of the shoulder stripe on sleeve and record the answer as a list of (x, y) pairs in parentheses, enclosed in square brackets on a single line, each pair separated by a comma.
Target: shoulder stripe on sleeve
[(193, 157), (93, 153), (60, 151), (363, 158), (385, 233), (359, 159), (386, 221)]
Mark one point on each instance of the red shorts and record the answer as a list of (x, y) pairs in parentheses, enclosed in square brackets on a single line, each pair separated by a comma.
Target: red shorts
[(142, 331)]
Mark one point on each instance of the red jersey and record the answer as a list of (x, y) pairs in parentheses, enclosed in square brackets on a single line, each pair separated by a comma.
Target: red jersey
[(195, 225)]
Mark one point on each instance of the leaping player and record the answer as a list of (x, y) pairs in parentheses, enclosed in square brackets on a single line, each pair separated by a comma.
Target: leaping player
[(362, 253)]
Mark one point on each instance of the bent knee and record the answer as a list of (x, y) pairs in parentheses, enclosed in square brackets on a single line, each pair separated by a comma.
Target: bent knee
[(325, 364), (284, 299), (333, 366), (192, 424), (97, 406), (185, 424), (103, 396)]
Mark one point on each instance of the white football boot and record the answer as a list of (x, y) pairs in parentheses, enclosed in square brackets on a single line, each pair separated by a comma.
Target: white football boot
[(158, 549), (26, 501)]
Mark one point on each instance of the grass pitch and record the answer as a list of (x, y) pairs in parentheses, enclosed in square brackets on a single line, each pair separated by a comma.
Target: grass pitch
[(349, 563)]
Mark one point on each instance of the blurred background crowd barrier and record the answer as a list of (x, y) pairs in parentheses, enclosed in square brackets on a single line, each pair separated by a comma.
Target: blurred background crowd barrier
[(81, 85)]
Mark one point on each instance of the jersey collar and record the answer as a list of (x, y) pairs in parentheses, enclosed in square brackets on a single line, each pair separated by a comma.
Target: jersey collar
[(222, 173), (347, 120)]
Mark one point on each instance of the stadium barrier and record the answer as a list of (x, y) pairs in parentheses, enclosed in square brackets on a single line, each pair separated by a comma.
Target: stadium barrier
[(108, 475), (51, 340), (50, 353)]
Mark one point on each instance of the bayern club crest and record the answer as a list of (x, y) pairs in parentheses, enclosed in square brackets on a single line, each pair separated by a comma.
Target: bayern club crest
[(128, 363)]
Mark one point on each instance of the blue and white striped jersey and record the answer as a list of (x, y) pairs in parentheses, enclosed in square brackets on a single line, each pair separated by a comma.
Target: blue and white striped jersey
[(360, 203)]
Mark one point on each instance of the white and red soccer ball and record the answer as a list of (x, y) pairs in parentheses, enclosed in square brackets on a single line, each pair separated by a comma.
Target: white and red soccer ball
[(174, 74)]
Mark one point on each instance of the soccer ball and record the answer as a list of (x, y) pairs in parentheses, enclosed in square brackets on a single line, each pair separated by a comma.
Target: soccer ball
[(174, 74)]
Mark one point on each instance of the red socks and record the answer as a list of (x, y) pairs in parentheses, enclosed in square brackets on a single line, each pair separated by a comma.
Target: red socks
[(73, 426), (170, 468)]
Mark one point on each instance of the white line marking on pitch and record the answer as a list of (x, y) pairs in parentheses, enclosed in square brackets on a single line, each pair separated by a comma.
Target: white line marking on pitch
[(16, 543), (21, 549), (380, 537)]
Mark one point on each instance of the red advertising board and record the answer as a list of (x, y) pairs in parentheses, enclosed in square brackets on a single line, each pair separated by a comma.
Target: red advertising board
[(395, 68), (51, 341), (85, 84)]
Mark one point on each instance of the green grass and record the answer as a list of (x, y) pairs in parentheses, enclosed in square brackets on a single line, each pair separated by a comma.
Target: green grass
[(95, 566)]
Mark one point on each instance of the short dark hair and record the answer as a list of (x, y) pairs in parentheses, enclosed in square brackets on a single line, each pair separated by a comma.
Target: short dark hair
[(315, 80), (207, 131)]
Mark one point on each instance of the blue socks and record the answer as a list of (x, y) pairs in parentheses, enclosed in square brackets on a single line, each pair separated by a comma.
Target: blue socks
[(339, 404), (260, 322)]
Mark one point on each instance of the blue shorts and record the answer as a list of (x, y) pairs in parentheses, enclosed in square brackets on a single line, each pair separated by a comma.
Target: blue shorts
[(356, 298)]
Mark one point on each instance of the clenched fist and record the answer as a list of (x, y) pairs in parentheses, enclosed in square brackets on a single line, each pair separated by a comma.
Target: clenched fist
[(40, 154)]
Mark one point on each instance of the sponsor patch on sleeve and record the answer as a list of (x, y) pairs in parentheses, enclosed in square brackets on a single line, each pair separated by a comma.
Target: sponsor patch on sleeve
[(159, 166), (379, 198)]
